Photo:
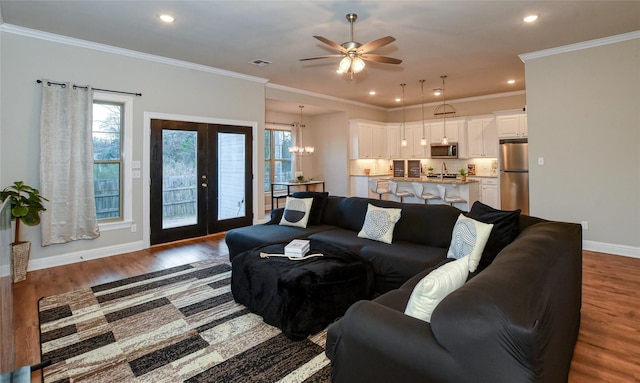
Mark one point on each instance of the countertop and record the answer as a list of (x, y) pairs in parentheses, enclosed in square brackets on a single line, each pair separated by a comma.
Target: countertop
[(435, 180), (391, 176)]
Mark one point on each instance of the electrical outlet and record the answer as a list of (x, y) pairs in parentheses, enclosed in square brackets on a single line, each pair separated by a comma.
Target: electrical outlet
[(540, 160), (585, 225), (134, 227)]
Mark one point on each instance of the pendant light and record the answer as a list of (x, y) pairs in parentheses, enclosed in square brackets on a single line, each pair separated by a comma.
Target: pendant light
[(404, 137), (423, 141), (445, 140), (301, 150)]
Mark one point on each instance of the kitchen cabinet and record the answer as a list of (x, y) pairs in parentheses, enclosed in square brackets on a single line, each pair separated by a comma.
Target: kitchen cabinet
[(512, 125), (414, 134), (456, 131), (482, 137), (368, 140), (488, 193), (393, 141)]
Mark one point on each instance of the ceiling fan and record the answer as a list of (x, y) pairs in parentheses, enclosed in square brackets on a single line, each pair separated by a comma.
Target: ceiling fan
[(353, 53)]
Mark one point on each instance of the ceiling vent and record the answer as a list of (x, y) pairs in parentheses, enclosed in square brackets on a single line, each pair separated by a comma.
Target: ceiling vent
[(260, 62)]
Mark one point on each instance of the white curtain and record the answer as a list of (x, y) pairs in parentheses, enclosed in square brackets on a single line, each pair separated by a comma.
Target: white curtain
[(66, 163)]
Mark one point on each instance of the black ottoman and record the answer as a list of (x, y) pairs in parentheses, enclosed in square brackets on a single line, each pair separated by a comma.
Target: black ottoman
[(300, 297)]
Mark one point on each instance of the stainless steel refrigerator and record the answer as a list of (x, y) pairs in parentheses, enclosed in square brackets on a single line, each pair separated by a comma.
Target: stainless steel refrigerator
[(514, 175)]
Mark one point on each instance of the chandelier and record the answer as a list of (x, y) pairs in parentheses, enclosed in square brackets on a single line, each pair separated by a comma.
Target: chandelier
[(301, 150)]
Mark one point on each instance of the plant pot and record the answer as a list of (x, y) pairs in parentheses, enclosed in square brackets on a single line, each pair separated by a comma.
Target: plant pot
[(20, 260), (463, 178)]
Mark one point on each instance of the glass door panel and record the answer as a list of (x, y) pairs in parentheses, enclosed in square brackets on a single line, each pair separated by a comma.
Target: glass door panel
[(179, 178)]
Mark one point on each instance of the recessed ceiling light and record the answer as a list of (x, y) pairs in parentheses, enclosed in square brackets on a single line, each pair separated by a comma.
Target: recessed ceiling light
[(437, 92), (372, 92), (167, 18), (530, 18), (398, 99), (511, 81)]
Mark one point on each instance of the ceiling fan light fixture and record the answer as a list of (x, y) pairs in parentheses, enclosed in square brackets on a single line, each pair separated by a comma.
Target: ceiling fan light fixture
[(344, 65), (357, 64)]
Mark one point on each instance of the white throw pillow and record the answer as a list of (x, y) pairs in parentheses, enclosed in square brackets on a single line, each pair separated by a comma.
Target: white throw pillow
[(296, 212), (379, 223), (435, 286), (469, 238)]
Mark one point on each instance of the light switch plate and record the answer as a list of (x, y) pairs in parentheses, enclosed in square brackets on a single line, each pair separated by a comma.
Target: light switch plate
[(135, 174), (540, 160), (135, 164)]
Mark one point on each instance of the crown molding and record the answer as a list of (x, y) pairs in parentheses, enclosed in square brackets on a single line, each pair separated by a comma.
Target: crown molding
[(323, 96), (27, 32), (579, 46)]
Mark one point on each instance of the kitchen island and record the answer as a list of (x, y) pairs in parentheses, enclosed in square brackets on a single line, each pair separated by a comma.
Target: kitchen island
[(468, 189)]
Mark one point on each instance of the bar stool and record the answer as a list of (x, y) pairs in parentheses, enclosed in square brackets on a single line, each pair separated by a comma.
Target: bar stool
[(393, 186), (378, 187), (420, 192), (450, 199)]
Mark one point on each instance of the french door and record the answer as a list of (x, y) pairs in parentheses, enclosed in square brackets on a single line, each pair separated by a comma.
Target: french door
[(201, 180)]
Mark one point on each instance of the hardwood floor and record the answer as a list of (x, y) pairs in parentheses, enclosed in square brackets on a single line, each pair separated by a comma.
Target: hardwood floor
[(608, 348)]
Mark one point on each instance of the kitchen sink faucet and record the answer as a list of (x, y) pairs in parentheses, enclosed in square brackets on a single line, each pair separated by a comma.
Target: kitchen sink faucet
[(443, 170)]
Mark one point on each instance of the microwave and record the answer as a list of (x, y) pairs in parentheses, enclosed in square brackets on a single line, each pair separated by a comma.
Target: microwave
[(449, 150)]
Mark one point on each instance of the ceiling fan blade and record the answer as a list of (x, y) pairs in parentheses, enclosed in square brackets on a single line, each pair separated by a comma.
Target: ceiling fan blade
[(375, 44), (331, 43), (322, 57), (381, 59)]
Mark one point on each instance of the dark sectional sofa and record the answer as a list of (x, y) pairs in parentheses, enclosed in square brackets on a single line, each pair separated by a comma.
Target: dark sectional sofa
[(515, 320)]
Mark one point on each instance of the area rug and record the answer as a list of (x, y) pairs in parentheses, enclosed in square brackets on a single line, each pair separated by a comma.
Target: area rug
[(176, 325)]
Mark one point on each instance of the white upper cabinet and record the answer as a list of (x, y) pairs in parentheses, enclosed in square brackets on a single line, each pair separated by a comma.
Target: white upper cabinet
[(482, 137), (511, 125), (456, 131), (393, 141), (414, 135), (368, 140)]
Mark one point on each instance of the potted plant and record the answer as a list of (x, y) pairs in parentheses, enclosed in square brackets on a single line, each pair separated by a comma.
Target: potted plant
[(463, 174), (430, 169), (26, 205)]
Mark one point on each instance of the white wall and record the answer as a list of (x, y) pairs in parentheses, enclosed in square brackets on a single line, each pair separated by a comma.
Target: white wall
[(584, 120), (166, 89)]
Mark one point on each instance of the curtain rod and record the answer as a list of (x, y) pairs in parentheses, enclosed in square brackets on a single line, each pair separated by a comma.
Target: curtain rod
[(279, 123), (84, 87)]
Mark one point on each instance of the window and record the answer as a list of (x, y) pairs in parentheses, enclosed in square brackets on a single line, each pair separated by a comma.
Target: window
[(277, 159), (111, 133), (107, 159)]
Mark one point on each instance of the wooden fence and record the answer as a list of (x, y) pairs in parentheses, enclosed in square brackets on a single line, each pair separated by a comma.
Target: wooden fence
[(179, 199)]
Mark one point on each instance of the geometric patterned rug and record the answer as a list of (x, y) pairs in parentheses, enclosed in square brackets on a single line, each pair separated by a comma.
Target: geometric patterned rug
[(175, 325)]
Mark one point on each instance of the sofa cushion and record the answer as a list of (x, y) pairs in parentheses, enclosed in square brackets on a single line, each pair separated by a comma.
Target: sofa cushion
[(379, 223), (343, 238), (426, 224), (249, 237), (296, 212), (468, 239), (349, 212), (435, 287), (394, 264), (505, 228), (319, 202)]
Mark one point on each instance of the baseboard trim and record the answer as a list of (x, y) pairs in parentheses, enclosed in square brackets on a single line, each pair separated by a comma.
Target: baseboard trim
[(612, 248), (84, 255)]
